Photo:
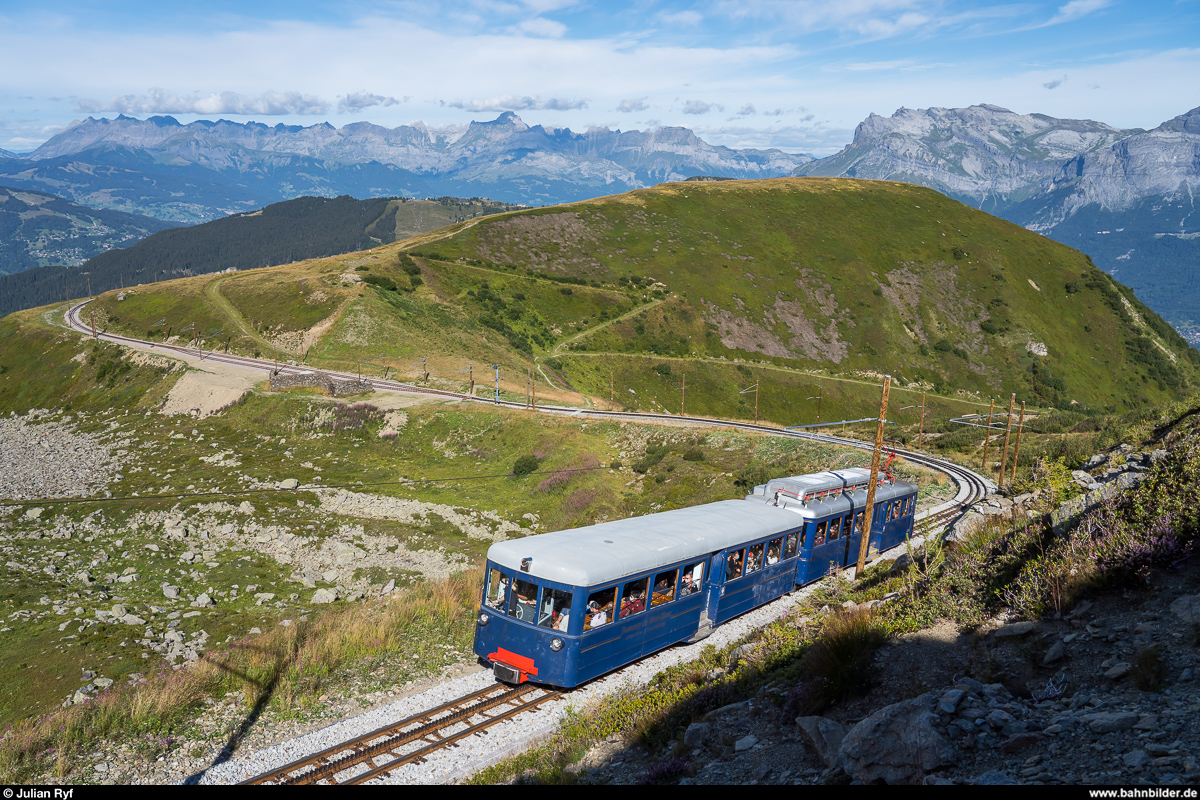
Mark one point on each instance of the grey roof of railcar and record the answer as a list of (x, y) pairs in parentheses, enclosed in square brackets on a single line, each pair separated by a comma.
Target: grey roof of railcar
[(834, 505), (611, 550)]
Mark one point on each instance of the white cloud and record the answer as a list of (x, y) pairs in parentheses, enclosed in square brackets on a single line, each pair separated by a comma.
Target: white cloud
[(701, 107), (161, 101), (357, 101), (746, 110), (1077, 9), (519, 103), (683, 18), (540, 26), (628, 105), (1057, 82)]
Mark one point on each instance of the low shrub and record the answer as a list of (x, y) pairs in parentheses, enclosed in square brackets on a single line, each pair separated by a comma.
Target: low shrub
[(525, 465)]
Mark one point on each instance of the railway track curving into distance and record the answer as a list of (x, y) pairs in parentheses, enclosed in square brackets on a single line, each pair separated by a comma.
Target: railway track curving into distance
[(410, 740)]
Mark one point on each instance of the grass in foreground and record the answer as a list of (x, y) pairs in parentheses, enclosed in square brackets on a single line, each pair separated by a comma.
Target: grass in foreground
[(284, 670)]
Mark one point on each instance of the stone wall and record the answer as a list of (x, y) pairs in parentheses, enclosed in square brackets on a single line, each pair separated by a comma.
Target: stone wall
[(319, 380)]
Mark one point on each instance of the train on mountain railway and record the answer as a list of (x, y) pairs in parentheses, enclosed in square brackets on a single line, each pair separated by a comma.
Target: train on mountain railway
[(565, 607)]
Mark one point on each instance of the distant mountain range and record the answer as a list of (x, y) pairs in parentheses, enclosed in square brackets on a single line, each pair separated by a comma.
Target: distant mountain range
[(204, 170), (38, 229), (1125, 197)]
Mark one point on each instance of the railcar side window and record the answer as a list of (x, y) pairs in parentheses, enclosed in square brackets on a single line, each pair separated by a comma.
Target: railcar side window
[(555, 610), (600, 608), (754, 558), (820, 538), (790, 545), (858, 519), (692, 579), (774, 548), (835, 529), (524, 606), (633, 599), (733, 565), (664, 587), (496, 595)]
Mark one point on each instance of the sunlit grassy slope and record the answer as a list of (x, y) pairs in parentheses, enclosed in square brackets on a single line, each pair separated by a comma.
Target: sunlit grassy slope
[(812, 287)]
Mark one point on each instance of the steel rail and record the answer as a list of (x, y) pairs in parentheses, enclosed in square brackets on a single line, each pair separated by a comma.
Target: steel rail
[(434, 729)]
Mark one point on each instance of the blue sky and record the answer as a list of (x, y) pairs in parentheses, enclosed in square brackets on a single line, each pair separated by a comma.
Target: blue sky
[(797, 75)]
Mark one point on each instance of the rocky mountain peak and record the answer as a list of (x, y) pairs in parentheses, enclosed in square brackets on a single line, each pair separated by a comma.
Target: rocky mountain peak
[(1184, 123)]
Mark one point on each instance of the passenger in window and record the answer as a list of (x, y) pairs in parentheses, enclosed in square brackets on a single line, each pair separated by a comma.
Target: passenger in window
[(820, 537), (555, 604), (633, 600), (835, 529), (754, 558), (597, 616), (664, 587), (773, 552), (693, 576), (498, 589), (733, 566), (858, 519), (790, 545)]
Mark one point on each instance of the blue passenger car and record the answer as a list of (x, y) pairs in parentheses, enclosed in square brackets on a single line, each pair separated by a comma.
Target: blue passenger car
[(562, 608)]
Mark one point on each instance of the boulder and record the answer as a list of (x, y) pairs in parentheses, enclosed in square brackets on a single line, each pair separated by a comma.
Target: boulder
[(1137, 759), (170, 592), (287, 483), (697, 734), (745, 743), (824, 736), (897, 744), (1187, 608), (203, 601), (130, 619), (263, 597), (1111, 721), (1014, 629), (388, 587), (1118, 670), (245, 508), (1055, 653), (324, 596)]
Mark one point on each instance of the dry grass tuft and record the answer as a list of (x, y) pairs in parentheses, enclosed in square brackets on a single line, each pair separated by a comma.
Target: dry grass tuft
[(286, 668)]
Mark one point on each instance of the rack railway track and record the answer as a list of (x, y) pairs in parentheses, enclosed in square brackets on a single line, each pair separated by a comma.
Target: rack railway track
[(410, 740)]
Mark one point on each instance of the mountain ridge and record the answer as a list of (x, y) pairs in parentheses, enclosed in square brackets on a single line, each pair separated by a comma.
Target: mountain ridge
[(1116, 194), (505, 159)]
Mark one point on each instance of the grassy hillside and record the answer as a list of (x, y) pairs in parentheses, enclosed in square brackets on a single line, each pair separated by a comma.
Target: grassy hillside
[(849, 277), (812, 288), (305, 227)]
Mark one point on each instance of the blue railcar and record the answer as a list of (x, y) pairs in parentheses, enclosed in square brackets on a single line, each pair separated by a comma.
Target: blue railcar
[(562, 608)]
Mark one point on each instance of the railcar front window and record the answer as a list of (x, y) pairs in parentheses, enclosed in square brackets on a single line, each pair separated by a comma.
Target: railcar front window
[(773, 550), (633, 599), (664, 587), (496, 594), (733, 565), (600, 608), (790, 545), (693, 577), (555, 610), (754, 558), (524, 606)]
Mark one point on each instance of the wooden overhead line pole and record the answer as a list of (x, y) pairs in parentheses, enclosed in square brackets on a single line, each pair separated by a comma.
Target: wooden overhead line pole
[(1012, 399), (869, 511), (683, 395), (921, 434), (1017, 454), (987, 437)]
